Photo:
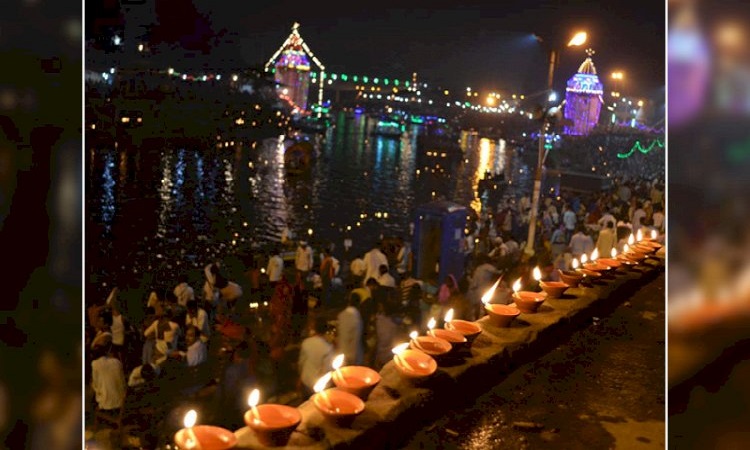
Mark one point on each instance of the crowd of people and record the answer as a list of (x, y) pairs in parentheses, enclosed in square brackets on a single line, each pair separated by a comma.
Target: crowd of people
[(278, 323)]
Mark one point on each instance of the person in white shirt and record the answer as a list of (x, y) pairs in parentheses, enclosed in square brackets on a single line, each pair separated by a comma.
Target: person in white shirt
[(166, 332), (607, 240), (349, 333), (107, 379), (373, 260), (142, 374), (658, 219), (315, 357), (570, 220), (275, 267), (607, 217), (385, 278), (196, 353), (405, 258), (637, 220), (303, 260), (581, 243), (198, 317), (183, 291), (210, 291)]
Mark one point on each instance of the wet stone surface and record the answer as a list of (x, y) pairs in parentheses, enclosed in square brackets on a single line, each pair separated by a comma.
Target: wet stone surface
[(603, 388)]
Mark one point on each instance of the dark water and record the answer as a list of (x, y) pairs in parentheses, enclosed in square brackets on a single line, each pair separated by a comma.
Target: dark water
[(159, 211)]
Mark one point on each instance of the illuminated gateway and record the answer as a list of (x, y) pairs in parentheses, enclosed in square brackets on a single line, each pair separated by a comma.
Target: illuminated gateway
[(291, 67), (583, 99)]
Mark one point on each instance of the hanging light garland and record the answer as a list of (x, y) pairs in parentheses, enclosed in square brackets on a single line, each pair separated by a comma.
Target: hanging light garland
[(640, 148)]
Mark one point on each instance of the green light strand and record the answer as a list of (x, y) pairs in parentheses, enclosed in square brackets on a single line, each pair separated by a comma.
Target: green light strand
[(640, 148)]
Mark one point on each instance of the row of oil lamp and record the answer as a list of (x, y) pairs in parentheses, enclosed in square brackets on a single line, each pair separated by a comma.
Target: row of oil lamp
[(417, 359)]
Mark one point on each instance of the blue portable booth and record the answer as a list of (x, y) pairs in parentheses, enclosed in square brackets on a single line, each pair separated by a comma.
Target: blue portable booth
[(438, 232)]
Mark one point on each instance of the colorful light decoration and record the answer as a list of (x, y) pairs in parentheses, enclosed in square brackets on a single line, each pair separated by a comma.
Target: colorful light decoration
[(640, 148), (583, 99), (291, 67), (689, 65)]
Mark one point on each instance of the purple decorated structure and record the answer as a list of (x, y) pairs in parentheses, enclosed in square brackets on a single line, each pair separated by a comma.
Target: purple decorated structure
[(583, 99), (291, 67)]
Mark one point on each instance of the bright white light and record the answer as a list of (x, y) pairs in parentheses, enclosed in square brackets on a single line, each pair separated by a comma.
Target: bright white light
[(190, 418), (338, 361), (578, 39), (254, 398), (552, 96)]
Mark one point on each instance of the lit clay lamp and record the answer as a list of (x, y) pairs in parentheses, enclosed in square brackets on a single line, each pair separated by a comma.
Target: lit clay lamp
[(554, 289), (651, 241), (433, 346), (587, 273), (527, 301), (273, 424), (625, 258), (612, 262), (357, 380), (594, 265), (633, 253), (640, 244), (500, 315), (203, 437), (469, 330), (571, 277), (337, 406), (413, 364), (457, 340)]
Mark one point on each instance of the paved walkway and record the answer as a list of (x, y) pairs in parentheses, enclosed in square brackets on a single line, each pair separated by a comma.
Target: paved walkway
[(604, 388)]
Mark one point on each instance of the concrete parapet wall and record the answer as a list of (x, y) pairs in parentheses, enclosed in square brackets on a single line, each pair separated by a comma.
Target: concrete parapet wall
[(398, 406)]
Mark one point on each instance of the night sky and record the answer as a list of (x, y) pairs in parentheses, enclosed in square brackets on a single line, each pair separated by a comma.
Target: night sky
[(454, 44)]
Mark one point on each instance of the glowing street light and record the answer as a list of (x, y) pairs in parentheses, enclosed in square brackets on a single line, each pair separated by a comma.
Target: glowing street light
[(577, 40)]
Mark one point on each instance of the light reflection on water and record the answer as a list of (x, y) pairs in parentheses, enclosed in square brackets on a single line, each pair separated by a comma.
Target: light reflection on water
[(193, 204)]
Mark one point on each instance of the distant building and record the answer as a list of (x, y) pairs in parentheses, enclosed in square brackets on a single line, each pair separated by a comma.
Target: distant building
[(583, 100), (291, 67)]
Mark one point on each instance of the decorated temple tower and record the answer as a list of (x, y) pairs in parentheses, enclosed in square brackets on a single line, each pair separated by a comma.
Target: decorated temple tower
[(291, 67), (583, 99)]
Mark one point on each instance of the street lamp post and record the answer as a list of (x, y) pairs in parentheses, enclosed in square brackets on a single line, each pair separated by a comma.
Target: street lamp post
[(577, 40)]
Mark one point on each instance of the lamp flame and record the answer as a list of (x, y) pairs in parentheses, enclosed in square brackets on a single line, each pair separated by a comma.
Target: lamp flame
[(626, 248), (448, 316), (400, 348), (595, 254), (254, 398), (489, 294), (631, 239), (413, 334), (190, 418), (431, 324), (575, 263), (584, 258), (322, 382), (639, 235), (654, 234), (517, 285), (338, 361), (613, 253), (536, 273), (578, 40)]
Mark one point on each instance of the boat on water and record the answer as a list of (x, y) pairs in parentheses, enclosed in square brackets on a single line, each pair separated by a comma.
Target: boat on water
[(311, 123), (389, 128), (298, 157)]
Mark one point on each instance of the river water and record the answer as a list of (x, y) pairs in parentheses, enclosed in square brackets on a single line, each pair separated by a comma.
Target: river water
[(156, 212)]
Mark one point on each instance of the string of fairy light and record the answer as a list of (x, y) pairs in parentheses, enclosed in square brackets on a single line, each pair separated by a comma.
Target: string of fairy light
[(639, 147)]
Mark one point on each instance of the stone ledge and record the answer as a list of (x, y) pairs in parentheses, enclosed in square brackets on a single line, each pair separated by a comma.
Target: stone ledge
[(397, 406)]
